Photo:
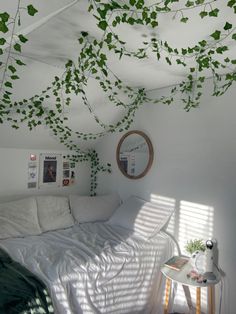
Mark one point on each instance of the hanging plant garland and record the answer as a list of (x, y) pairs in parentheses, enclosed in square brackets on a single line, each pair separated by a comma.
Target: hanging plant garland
[(204, 53), (92, 64), (14, 42)]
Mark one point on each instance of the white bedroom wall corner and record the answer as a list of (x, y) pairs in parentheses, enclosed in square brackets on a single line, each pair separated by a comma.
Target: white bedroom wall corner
[(194, 163)]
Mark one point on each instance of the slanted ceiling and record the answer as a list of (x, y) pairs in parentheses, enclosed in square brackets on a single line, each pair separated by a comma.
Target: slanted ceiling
[(53, 39)]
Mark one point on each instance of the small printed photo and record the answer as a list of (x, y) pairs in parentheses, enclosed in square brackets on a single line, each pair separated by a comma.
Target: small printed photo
[(49, 171), (66, 182), (32, 185), (66, 173), (66, 165), (32, 171)]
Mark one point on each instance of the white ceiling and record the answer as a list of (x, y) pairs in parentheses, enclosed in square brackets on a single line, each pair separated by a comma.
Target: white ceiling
[(53, 40)]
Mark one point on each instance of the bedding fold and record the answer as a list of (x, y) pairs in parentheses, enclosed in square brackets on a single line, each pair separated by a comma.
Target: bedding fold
[(20, 290), (95, 268)]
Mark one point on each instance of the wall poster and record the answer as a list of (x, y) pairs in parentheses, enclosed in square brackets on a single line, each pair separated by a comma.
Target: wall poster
[(50, 170)]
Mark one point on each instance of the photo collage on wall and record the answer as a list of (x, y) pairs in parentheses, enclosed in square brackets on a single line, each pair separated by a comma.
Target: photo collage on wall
[(32, 172), (52, 171), (68, 173)]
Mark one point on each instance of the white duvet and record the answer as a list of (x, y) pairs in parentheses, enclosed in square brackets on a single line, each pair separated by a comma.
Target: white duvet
[(95, 268)]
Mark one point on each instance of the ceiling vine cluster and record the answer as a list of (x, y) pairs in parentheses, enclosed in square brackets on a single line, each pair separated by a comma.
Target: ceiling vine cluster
[(208, 58)]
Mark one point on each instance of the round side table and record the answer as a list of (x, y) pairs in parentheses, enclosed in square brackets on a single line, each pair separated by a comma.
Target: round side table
[(180, 277)]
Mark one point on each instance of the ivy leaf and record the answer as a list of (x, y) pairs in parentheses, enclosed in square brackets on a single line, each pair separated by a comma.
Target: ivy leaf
[(202, 43), (12, 68), (131, 20), (84, 34), (234, 36), (22, 38), (19, 62), (2, 41), (17, 47), (231, 3), (3, 27), (216, 35), (31, 10), (221, 49), (203, 14), (105, 72), (153, 15), (214, 12), (154, 24), (4, 17), (103, 25), (90, 8), (227, 26), (184, 19), (1, 51), (102, 13), (189, 4), (109, 38), (14, 77), (168, 61), (8, 84)]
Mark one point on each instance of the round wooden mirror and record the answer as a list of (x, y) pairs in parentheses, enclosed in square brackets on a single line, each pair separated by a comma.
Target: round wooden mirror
[(134, 154)]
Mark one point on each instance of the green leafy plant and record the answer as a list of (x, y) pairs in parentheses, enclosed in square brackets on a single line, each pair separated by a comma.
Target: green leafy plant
[(195, 245)]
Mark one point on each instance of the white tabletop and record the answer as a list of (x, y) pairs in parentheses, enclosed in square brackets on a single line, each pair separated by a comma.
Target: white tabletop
[(181, 276)]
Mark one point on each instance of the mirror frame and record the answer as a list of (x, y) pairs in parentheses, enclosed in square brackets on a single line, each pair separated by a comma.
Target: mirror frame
[(150, 150)]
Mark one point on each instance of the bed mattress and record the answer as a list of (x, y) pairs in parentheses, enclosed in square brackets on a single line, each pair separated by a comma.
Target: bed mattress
[(96, 268)]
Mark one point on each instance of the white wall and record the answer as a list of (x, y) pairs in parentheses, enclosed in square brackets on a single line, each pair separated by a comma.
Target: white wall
[(195, 162), (14, 175)]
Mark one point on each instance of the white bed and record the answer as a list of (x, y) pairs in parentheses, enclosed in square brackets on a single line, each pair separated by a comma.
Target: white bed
[(96, 267)]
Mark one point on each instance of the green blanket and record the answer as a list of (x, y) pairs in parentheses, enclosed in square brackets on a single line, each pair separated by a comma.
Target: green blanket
[(20, 291)]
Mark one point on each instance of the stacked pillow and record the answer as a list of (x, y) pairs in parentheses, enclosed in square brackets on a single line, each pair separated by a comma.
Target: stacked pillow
[(34, 215), (95, 208), (142, 217), (54, 212), (19, 218)]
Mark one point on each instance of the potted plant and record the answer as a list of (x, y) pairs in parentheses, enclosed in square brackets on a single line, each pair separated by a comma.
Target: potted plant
[(195, 245), (196, 249)]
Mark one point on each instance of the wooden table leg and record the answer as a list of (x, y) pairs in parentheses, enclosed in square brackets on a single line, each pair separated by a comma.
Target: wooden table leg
[(211, 299), (167, 295), (188, 297), (198, 300)]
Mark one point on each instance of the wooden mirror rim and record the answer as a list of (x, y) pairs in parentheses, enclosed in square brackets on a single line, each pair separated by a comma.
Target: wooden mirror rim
[(150, 150)]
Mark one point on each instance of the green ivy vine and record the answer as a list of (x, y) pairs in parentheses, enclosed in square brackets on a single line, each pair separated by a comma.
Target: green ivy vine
[(92, 63)]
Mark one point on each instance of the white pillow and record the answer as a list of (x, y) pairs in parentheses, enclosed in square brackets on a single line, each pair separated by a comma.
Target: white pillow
[(54, 212), (19, 218), (93, 208), (142, 217)]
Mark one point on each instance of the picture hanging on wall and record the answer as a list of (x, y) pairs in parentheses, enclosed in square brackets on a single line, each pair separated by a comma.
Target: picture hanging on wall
[(50, 170), (32, 175)]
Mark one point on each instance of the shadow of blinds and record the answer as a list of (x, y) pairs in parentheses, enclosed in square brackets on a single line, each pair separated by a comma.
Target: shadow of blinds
[(195, 221)]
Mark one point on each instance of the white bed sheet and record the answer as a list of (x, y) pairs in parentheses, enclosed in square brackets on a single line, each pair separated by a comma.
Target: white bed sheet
[(96, 268)]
